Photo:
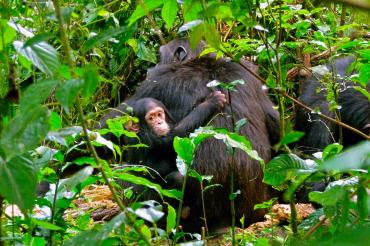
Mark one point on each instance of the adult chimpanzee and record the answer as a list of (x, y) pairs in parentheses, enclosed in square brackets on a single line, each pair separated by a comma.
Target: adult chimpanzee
[(181, 86), (157, 128), (179, 51), (354, 110)]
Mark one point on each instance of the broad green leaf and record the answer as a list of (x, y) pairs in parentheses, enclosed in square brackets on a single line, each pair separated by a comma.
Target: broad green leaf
[(365, 74), (91, 80), (191, 10), (331, 150), (184, 148), (285, 167), (143, 8), (55, 121), (291, 137), (107, 34), (60, 135), (99, 233), (334, 192), (37, 39), (169, 12), (364, 54), (18, 181), (47, 225), (37, 93), (152, 211), (69, 183), (67, 92), (42, 55), (127, 177), (211, 35), (171, 218), (355, 157), (145, 53), (8, 33), (196, 36), (239, 124), (24, 132)]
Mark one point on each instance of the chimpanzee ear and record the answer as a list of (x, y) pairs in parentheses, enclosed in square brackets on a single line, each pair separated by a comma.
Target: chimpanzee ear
[(181, 53), (132, 127)]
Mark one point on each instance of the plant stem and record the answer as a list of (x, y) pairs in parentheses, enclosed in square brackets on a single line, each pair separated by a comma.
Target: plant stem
[(293, 215), (232, 177), (203, 207), (67, 50), (179, 209)]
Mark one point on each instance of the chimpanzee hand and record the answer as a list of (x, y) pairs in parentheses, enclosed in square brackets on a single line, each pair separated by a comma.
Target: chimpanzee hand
[(217, 99)]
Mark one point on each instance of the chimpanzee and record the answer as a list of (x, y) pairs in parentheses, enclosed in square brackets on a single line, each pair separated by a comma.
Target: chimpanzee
[(354, 111), (181, 86), (179, 51), (157, 129)]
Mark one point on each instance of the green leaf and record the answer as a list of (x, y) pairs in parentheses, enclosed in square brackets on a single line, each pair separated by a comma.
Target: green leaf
[(152, 211), (364, 54), (76, 179), (291, 137), (55, 121), (127, 177), (37, 93), (107, 34), (24, 132), (91, 80), (331, 150), (99, 233), (60, 135), (8, 34), (239, 124), (191, 10), (169, 12), (355, 157), (145, 53), (67, 92), (334, 192), (284, 168), (47, 225), (184, 148), (37, 39), (211, 35), (42, 55), (171, 218), (143, 8), (364, 74), (18, 181)]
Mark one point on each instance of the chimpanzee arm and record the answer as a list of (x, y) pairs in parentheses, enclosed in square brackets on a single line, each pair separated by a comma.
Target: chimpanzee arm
[(200, 114)]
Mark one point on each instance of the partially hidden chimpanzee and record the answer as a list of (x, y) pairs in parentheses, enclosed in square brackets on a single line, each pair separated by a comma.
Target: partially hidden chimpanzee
[(179, 50), (354, 111), (157, 128), (183, 85)]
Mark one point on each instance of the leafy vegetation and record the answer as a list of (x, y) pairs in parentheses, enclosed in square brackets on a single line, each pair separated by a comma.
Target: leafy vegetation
[(64, 63)]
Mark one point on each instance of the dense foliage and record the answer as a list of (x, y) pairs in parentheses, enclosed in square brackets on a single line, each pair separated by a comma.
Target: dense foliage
[(64, 63)]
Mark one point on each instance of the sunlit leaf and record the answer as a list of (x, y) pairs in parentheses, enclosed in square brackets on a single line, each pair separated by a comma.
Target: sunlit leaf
[(285, 167), (77, 178), (91, 80), (169, 12), (8, 34), (42, 55), (145, 53), (291, 137), (355, 157), (171, 218), (143, 8), (184, 148)]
